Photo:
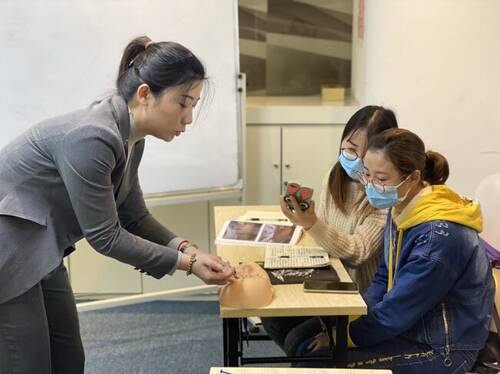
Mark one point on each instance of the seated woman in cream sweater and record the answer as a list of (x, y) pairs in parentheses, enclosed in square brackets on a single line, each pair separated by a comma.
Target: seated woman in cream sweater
[(344, 223)]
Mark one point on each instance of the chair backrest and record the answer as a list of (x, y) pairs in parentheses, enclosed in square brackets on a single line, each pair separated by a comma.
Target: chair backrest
[(488, 194)]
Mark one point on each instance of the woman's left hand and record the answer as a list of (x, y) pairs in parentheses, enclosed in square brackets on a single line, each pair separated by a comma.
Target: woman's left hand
[(305, 218)]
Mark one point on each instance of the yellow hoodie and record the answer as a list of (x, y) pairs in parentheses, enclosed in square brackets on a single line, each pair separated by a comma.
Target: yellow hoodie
[(436, 202)]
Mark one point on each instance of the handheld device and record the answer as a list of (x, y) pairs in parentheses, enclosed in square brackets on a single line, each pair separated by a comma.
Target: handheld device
[(302, 195), (329, 286)]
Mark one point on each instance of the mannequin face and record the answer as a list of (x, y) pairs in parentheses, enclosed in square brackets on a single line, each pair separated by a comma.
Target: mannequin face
[(252, 288)]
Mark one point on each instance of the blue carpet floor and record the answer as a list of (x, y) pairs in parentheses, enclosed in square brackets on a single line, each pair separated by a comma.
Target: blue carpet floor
[(158, 337)]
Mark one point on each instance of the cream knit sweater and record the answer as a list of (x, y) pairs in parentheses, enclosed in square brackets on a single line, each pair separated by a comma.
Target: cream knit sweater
[(356, 237)]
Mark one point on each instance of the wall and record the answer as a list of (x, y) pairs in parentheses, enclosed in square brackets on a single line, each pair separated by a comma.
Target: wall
[(436, 63)]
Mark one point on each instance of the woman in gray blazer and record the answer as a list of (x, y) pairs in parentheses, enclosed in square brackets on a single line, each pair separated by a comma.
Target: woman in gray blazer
[(75, 176)]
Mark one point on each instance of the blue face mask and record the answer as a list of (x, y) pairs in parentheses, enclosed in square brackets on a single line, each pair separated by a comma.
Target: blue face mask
[(386, 199), (353, 168)]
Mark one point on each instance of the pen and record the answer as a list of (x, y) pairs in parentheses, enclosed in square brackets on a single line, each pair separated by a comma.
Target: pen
[(269, 219)]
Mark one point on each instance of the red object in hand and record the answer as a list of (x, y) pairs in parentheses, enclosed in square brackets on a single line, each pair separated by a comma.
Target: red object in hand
[(292, 187), (305, 193), (301, 194)]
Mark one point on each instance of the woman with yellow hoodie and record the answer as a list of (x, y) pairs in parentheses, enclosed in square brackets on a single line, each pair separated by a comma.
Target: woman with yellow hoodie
[(430, 304)]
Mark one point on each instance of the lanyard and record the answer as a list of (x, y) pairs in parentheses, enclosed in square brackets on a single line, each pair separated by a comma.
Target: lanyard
[(393, 268)]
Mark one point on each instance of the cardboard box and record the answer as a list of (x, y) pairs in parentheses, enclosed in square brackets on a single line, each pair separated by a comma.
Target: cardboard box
[(332, 92)]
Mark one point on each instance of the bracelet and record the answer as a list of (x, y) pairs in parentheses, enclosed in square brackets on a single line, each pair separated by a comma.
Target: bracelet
[(192, 260), (185, 244), (182, 245)]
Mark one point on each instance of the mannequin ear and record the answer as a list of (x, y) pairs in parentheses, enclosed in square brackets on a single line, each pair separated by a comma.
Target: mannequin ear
[(143, 93)]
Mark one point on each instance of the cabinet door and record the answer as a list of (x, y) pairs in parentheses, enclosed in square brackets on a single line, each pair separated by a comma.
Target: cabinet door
[(93, 273), (308, 153), (190, 221), (263, 164)]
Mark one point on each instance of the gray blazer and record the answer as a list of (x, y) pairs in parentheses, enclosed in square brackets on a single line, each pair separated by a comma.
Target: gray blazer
[(65, 179)]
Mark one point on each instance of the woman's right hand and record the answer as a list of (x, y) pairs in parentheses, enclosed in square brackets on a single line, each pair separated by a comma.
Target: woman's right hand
[(212, 269), (305, 218), (320, 341)]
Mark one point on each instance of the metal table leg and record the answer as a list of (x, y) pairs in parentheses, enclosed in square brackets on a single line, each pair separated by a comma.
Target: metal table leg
[(340, 352), (231, 337)]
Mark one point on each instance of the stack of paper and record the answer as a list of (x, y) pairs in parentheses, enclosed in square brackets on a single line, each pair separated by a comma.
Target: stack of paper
[(294, 257)]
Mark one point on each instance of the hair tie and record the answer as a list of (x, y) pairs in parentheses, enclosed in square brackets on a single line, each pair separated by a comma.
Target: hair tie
[(131, 63)]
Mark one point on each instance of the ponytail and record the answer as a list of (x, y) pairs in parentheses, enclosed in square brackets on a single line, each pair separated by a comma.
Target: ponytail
[(132, 50), (437, 169)]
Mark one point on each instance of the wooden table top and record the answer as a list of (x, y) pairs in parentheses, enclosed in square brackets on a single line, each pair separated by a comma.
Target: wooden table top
[(290, 299)]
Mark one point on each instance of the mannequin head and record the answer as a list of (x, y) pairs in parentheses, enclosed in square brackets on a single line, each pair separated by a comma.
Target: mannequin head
[(252, 288)]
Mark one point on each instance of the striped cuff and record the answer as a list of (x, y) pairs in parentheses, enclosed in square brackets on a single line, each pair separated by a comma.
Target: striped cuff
[(176, 242)]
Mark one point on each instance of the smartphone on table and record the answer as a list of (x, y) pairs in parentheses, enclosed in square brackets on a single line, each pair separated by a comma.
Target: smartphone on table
[(301, 193), (329, 286)]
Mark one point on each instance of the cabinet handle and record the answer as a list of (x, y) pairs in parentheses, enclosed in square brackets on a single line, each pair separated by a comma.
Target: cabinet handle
[(287, 166), (276, 166)]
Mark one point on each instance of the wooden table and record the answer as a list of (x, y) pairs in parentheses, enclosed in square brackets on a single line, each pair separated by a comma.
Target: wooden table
[(236, 370), (290, 299)]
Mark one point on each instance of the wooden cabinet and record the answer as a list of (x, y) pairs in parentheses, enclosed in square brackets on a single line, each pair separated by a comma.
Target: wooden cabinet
[(92, 272), (279, 153), (263, 164)]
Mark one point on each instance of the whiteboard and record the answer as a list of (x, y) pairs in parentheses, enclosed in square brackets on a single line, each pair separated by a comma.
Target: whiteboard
[(59, 55)]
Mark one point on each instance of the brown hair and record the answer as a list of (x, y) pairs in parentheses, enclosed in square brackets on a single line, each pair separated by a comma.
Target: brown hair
[(407, 152), (372, 119)]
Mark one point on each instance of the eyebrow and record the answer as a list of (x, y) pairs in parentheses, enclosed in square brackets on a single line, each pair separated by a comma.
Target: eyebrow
[(350, 141), (378, 173), (189, 97)]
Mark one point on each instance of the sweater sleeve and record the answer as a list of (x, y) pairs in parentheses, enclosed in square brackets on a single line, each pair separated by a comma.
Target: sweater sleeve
[(354, 248)]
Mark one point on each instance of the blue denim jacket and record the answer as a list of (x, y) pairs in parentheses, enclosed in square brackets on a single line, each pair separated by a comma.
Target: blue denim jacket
[(442, 295)]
